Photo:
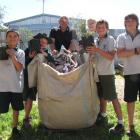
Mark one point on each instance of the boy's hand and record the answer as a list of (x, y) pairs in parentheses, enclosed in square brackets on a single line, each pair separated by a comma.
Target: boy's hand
[(32, 54), (10, 52), (91, 49), (54, 52), (43, 52)]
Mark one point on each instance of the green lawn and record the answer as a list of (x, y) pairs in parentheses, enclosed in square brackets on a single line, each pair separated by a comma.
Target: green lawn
[(39, 132)]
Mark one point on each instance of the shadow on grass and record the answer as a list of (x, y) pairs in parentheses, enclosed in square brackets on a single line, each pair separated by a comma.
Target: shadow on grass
[(40, 132), (134, 137)]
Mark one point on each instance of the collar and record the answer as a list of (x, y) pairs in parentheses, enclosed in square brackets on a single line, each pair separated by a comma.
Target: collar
[(67, 29), (137, 33), (16, 48), (98, 39)]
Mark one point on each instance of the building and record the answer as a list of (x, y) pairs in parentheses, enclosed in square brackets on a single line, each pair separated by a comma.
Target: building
[(116, 32), (41, 23), (38, 23)]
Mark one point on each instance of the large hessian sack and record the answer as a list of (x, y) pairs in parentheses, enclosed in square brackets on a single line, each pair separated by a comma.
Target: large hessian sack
[(66, 101)]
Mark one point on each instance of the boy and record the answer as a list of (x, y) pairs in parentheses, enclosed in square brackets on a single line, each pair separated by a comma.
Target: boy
[(11, 79), (128, 45), (29, 94), (104, 51)]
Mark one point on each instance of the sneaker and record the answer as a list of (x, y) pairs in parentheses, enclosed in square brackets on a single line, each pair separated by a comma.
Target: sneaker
[(131, 132), (117, 130), (101, 120), (15, 132), (27, 122)]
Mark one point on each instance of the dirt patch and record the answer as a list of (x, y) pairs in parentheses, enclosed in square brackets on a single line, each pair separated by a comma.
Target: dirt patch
[(119, 82)]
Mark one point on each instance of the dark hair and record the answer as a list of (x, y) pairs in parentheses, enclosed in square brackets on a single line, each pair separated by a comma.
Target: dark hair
[(43, 36), (134, 17), (102, 22), (12, 30)]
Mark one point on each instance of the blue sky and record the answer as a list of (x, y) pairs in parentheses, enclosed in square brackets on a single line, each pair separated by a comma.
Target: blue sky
[(111, 10)]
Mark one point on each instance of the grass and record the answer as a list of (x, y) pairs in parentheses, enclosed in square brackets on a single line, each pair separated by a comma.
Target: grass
[(39, 132)]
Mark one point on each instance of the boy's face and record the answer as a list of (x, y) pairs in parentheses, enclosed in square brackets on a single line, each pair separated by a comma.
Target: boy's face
[(63, 24), (130, 25), (101, 30), (92, 25), (43, 42), (12, 39)]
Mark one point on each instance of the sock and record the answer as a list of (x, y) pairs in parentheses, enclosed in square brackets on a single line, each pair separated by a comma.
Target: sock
[(120, 121), (103, 114)]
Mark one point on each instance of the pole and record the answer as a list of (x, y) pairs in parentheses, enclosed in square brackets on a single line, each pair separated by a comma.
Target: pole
[(43, 6)]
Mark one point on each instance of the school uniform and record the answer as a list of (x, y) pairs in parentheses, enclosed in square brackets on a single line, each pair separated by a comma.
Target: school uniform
[(131, 65), (105, 69), (28, 93), (11, 83)]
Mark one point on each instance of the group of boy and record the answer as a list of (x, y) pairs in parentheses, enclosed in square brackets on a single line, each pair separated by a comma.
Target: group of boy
[(105, 49)]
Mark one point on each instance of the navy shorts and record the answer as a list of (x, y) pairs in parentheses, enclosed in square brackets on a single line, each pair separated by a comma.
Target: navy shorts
[(132, 87), (7, 98)]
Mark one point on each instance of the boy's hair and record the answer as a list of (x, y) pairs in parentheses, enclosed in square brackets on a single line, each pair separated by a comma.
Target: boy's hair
[(63, 18), (102, 22), (132, 16), (12, 30)]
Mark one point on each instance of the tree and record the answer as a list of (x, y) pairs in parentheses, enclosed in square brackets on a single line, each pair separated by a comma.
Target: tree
[(2, 13), (3, 29), (26, 35), (79, 25)]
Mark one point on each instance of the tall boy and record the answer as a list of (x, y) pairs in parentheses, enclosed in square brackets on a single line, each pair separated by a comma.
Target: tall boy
[(128, 45)]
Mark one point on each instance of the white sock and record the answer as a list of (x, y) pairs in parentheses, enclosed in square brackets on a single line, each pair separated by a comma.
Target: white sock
[(104, 114), (120, 121)]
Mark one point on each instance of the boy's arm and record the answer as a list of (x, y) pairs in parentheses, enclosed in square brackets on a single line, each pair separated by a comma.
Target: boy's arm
[(122, 52), (108, 55), (18, 66)]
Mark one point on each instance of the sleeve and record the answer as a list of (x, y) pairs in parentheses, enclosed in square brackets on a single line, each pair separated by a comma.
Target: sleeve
[(52, 33), (111, 44), (120, 43), (21, 57)]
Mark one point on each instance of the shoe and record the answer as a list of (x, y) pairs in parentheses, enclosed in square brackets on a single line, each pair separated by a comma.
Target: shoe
[(15, 132), (27, 122), (101, 120), (117, 130), (131, 132)]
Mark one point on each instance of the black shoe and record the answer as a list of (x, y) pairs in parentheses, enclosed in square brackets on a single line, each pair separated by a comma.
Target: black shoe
[(15, 132), (101, 120), (117, 130), (131, 132)]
